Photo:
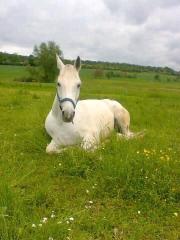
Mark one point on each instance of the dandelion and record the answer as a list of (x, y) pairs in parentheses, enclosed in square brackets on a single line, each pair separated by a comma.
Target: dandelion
[(33, 225), (71, 219), (176, 214), (139, 212)]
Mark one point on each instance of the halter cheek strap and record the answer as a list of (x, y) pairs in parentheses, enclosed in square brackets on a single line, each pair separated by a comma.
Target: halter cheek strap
[(65, 100)]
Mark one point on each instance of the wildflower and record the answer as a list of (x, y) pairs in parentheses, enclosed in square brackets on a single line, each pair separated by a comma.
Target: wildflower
[(176, 214), (33, 225), (91, 202), (87, 191), (139, 212), (146, 177), (69, 229), (71, 219), (44, 220), (67, 222), (52, 215)]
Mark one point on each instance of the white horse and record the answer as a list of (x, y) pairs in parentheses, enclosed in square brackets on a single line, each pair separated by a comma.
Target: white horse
[(87, 121)]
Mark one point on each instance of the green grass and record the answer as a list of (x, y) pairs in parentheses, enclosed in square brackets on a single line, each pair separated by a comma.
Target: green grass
[(133, 185)]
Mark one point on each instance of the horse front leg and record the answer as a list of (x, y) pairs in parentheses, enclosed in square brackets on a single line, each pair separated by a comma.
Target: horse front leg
[(89, 142), (53, 148)]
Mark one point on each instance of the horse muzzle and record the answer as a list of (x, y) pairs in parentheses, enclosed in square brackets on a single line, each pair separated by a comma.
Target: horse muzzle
[(68, 116)]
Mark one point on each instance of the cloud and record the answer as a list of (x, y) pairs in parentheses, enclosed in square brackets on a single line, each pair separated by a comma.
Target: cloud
[(140, 32)]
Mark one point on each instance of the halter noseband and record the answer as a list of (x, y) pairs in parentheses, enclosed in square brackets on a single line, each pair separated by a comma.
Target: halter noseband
[(65, 100)]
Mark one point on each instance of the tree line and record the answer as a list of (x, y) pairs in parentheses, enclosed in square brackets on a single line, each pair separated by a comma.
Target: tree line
[(41, 64)]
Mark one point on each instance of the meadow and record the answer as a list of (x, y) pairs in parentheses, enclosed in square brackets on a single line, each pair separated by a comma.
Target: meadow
[(125, 190)]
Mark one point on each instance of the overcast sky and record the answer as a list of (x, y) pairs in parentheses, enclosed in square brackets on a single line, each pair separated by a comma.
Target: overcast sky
[(135, 31)]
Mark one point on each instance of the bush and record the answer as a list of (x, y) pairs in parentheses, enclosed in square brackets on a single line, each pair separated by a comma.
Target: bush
[(98, 73)]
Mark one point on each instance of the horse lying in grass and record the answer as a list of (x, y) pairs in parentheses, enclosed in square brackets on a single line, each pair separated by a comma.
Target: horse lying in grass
[(87, 121)]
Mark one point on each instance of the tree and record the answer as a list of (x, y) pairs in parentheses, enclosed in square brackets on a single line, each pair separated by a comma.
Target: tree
[(45, 60)]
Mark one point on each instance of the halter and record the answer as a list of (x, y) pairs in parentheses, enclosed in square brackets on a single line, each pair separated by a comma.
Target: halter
[(65, 100)]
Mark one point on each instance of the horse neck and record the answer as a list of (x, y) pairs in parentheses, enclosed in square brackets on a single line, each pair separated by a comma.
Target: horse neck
[(55, 109)]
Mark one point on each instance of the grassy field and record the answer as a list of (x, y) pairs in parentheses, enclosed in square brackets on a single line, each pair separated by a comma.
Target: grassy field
[(125, 190)]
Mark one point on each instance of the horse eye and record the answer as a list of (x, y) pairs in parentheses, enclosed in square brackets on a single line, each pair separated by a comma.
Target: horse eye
[(58, 84), (78, 86)]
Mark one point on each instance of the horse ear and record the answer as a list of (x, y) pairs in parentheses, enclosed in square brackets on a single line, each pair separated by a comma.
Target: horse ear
[(77, 63), (60, 64)]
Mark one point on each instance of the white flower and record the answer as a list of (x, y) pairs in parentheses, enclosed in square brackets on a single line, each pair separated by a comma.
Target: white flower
[(34, 225), (87, 191), (52, 215), (91, 202), (50, 238), (176, 214), (44, 220), (67, 222), (69, 229), (71, 219), (139, 212)]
